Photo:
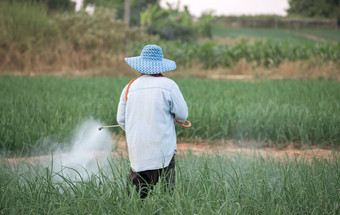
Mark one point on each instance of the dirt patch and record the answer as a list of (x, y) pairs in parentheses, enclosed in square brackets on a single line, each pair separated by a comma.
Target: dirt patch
[(223, 148), (290, 151)]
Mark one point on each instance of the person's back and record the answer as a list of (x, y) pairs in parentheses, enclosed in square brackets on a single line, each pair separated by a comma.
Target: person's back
[(147, 111), (153, 104)]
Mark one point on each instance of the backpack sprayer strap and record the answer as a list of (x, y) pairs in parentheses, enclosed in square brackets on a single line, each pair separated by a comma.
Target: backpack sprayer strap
[(126, 98), (127, 89)]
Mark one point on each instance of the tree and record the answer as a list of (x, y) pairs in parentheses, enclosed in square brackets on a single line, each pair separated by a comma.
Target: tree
[(51, 5), (136, 7), (315, 8)]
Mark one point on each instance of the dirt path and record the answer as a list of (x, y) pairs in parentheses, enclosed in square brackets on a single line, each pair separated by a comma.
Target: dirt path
[(224, 149), (231, 149)]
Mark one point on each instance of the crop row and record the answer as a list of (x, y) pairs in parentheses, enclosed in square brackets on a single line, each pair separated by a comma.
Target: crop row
[(33, 109), (269, 53), (204, 185)]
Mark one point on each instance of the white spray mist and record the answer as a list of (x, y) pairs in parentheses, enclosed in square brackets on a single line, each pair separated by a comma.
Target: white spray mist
[(90, 149)]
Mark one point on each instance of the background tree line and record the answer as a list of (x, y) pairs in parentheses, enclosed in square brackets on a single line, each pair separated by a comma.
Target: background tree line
[(315, 8)]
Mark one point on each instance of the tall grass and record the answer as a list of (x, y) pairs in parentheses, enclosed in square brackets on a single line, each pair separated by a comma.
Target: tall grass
[(258, 33), (33, 109), (36, 108), (32, 41), (21, 22), (204, 185), (274, 111)]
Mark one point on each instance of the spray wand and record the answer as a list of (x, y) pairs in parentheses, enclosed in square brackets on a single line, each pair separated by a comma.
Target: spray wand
[(108, 126), (113, 126)]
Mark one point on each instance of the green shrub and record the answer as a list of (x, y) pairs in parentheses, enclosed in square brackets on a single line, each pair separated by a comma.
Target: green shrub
[(32, 40), (102, 31)]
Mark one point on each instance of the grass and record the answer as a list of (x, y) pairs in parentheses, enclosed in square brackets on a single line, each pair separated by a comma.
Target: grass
[(37, 108), (33, 40), (34, 109), (277, 34), (332, 35), (204, 185)]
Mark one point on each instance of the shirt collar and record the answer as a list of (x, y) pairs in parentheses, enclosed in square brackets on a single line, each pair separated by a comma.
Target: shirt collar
[(154, 75)]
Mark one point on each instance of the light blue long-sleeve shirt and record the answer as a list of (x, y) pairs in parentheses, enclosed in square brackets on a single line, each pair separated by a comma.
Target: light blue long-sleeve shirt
[(147, 117)]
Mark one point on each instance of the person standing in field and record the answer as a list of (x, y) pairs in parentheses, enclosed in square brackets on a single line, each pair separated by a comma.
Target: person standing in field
[(147, 110)]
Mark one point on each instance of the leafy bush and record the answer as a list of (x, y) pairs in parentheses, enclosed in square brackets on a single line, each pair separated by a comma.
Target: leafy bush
[(173, 24), (101, 31)]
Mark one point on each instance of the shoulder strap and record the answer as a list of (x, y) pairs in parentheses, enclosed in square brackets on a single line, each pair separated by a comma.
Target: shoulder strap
[(127, 89)]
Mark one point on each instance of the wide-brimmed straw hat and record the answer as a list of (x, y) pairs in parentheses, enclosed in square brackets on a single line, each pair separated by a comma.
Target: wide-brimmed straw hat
[(151, 61)]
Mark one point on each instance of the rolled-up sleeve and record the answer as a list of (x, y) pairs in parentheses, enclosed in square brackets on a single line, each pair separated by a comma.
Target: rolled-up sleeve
[(179, 107), (121, 110)]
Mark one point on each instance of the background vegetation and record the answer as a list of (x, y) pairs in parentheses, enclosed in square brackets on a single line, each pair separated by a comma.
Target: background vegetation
[(48, 36), (269, 53), (38, 108), (31, 40), (315, 8)]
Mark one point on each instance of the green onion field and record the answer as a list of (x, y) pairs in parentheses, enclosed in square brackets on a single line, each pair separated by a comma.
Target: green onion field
[(205, 185), (308, 112), (263, 94)]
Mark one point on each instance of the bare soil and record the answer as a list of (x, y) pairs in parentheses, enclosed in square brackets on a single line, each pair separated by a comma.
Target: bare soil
[(223, 148)]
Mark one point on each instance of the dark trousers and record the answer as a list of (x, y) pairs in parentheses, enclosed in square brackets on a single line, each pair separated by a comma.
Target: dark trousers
[(146, 180)]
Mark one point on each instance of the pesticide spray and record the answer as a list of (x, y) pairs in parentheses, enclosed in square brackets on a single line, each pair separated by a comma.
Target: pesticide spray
[(90, 150)]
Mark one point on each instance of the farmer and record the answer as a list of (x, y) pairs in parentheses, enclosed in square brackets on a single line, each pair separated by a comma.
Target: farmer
[(147, 113)]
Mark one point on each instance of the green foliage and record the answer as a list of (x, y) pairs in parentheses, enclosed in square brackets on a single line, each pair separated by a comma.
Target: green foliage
[(276, 22), (170, 24), (204, 26), (269, 53), (51, 5), (31, 39), (259, 33), (150, 15), (315, 8), (204, 185), (173, 24), (331, 35), (136, 7), (101, 32), (40, 107), (22, 22), (59, 5), (276, 34), (36, 108)]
